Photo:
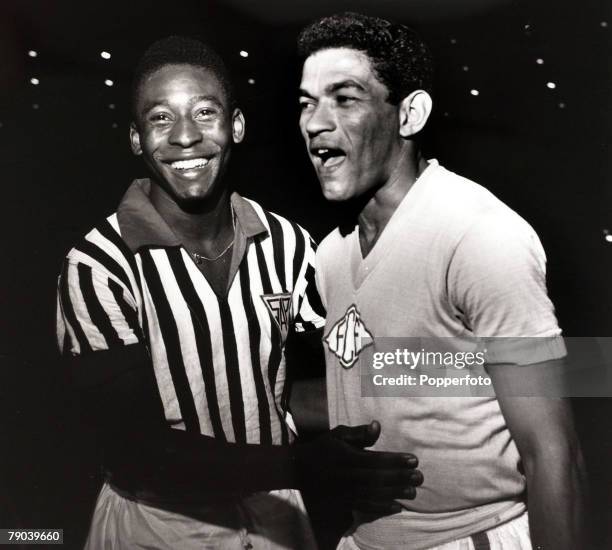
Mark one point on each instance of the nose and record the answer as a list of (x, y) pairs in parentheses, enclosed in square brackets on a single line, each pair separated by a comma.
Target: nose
[(319, 119), (184, 133)]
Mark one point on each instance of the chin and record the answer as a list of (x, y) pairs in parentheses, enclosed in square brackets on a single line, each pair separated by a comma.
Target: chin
[(192, 204), (194, 192), (335, 193)]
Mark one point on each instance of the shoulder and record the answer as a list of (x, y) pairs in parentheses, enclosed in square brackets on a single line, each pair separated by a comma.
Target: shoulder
[(103, 250), (333, 247), (278, 227), (469, 212), (334, 240), (98, 237), (499, 233), (463, 197), (485, 230)]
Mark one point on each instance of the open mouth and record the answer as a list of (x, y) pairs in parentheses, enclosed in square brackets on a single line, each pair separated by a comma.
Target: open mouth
[(188, 164), (329, 156)]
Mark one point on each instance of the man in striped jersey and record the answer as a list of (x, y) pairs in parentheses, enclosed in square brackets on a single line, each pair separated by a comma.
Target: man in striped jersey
[(432, 255), (174, 312)]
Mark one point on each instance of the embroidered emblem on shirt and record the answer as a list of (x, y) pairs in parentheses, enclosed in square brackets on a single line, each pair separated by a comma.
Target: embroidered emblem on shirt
[(280, 308), (345, 339)]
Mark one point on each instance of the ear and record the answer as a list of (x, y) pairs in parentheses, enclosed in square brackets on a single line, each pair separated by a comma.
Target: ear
[(414, 112), (135, 140), (238, 126)]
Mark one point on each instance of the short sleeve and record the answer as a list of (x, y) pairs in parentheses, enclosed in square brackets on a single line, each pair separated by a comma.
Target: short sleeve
[(497, 283), (310, 313), (95, 310)]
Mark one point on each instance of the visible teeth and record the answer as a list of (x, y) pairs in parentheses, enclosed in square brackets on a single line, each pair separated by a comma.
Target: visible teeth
[(321, 152), (188, 164)]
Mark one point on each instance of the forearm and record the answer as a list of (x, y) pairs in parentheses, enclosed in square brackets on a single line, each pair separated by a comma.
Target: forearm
[(545, 435), (144, 455), (556, 500), (309, 404), (173, 468), (198, 468)]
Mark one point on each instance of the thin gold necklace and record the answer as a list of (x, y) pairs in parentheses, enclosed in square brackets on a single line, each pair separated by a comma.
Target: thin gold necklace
[(198, 258)]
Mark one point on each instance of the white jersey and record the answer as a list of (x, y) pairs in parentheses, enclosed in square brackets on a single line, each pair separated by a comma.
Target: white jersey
[(452, 261)]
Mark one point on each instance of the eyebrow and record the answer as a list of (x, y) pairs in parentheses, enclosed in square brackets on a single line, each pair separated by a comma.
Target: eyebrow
[(350, 83), (192, 102), (335, 86), (211, 98)]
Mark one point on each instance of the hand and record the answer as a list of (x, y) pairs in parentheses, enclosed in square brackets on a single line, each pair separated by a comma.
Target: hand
[(337, 465)]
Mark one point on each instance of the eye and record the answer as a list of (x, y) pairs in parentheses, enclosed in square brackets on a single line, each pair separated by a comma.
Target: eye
[(205, 113), (345, 99), (306, 105), (159, 118)]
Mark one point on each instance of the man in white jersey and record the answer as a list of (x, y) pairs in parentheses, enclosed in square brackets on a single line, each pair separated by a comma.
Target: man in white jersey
[(432, 255), (175, 311)]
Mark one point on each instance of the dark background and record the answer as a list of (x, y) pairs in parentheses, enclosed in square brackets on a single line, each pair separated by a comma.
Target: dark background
[(65, 162)]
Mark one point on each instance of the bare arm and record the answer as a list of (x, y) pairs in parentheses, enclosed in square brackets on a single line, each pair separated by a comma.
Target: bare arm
[(308, 397), (148, 459), (309, 404), (545, 434), (153, 462)]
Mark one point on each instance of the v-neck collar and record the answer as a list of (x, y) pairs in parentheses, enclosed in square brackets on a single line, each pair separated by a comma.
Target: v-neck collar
[(362, 268)]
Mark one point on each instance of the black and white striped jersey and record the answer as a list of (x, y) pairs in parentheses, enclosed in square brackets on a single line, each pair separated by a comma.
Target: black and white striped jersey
[(218, 360)]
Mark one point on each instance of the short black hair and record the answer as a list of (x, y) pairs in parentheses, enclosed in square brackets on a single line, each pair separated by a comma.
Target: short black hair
[(400, 59), (180, 50)]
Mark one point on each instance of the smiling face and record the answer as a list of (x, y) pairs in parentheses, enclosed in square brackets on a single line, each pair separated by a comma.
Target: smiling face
[(184, 131), (350, 129)]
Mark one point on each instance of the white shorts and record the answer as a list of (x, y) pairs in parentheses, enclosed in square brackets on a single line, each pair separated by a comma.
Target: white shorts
[(512, 535), (274, 520)]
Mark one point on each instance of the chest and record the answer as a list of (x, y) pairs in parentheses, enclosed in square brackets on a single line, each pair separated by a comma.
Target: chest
[(401, 291), (182, 306)]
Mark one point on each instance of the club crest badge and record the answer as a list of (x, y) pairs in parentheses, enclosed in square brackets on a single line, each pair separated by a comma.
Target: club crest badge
[(280, 308), (345, 339)]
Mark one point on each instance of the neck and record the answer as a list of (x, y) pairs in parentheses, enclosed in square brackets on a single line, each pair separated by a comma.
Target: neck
[(203, 222), (376, 209)]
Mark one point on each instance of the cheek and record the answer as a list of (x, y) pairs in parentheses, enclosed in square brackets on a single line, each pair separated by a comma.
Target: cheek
[(218, 134), (368, 144), (151, 142), (378, 140), (364, 129)]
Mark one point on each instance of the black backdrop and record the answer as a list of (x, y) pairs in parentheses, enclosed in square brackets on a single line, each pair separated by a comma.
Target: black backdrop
[(65, 162)]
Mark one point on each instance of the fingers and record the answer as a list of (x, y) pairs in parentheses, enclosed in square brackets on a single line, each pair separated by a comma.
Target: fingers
[(369, 486), (373, 432), (338, 464), (366, 435), (379, 485), (371, 479), (417, 478), (359, 436), (381, 494), (382, 460)]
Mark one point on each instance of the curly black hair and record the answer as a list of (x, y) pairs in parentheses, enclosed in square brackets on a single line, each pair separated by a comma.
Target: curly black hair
[(180, 50), (400, 59)]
